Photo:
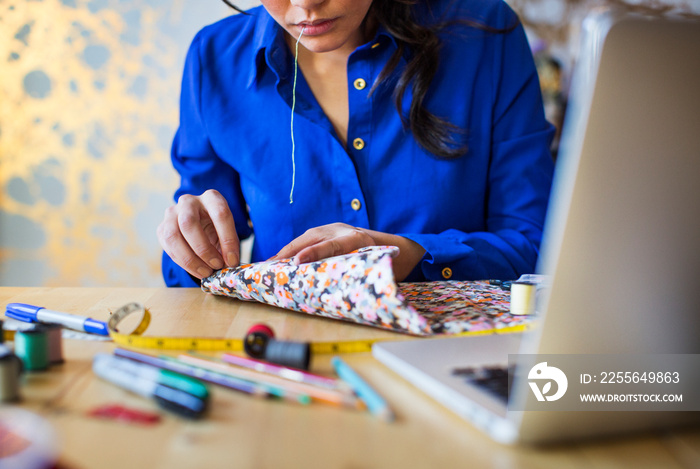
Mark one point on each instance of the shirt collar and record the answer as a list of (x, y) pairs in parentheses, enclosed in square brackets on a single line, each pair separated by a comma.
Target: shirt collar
[(268, 39)]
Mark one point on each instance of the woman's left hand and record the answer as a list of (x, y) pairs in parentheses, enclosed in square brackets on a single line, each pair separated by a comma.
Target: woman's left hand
[(338, 238)]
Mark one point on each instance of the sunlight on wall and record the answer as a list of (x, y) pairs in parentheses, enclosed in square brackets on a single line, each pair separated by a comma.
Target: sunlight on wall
[(88, 107)]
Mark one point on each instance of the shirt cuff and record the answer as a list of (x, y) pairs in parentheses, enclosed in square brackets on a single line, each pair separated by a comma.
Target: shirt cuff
[(441, 254), (176, 276)]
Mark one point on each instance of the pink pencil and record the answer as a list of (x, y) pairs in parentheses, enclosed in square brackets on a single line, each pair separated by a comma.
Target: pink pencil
[(292, 374), (330, 396)]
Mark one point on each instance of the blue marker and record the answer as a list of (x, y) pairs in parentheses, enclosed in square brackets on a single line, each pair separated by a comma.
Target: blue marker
[(30, 313)]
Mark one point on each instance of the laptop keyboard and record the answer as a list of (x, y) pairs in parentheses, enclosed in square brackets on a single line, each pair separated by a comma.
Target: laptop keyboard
[(493, 379)]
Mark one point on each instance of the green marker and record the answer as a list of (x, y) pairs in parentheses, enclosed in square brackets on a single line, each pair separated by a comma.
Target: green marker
[(184, 383), (148, 381), (168, 378)]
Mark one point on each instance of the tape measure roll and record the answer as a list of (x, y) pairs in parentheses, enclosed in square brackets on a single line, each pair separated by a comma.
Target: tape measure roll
[(135, 339)]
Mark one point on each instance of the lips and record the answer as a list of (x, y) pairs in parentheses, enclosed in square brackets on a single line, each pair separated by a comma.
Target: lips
[(316, 27)]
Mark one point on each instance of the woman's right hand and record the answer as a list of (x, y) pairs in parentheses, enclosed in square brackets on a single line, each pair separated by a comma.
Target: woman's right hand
[(199, 234)]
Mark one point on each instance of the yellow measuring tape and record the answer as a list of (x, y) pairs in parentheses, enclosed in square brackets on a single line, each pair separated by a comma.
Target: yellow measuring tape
[(136, 339)]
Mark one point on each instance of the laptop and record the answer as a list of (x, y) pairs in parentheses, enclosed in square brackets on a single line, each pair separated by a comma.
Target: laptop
[(622, 238)]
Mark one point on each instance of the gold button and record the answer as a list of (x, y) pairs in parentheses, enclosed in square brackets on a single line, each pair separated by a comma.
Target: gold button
[(358, 143), (360, 84), (375, 45), (356, 204), (446, 272)]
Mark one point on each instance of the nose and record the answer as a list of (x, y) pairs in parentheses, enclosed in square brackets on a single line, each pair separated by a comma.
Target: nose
[(307, 4)]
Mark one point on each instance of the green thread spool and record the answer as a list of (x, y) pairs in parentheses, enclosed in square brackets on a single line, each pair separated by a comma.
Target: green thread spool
[(32, 347)]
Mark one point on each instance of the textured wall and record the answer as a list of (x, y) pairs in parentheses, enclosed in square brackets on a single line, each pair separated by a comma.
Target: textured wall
[(88, 108), (553, 28), (554, 24)]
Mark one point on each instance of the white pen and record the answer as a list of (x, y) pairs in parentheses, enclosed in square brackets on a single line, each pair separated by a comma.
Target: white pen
[(30, 313)]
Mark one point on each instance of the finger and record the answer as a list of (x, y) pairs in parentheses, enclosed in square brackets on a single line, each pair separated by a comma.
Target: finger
[(194, 222), (309, 238), (224, 225), (330, 248), (175, 246)]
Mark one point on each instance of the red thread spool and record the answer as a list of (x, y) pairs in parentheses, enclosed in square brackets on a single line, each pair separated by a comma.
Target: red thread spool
[(260, 343), (256, 340), (262, 328)]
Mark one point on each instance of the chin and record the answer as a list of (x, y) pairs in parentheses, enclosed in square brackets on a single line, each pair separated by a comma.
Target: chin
[(320, 44)]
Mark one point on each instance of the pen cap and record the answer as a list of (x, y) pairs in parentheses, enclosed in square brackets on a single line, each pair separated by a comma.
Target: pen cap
[(180, 402), (95, 327), (184, 383), (22, 312)]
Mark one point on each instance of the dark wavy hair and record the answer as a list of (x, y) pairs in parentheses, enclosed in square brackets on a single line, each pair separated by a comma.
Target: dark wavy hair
[(436, 135)]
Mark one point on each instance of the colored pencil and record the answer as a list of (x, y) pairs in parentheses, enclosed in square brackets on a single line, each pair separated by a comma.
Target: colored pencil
[(375, 403), (292, 374), (329, 396)]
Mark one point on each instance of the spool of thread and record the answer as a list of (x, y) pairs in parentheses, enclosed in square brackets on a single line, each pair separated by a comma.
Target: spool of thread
[(10, 370), (256, 340), (55, 338), (260, 343), (522, 298), (293, 354), (32, 347)]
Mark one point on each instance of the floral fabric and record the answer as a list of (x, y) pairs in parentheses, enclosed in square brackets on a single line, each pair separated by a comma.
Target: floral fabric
[(360, 287), (452, 307)]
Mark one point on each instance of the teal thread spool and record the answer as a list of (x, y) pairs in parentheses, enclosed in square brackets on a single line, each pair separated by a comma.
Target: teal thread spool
[(32, 347)]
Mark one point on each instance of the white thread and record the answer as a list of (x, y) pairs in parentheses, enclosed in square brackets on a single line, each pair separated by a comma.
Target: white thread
[(294, 102)]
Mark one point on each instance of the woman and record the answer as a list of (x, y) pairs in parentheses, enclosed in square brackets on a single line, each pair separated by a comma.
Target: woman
[(412, 123)]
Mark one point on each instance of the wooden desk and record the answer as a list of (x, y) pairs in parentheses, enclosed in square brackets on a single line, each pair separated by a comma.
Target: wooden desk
[(242, 431)]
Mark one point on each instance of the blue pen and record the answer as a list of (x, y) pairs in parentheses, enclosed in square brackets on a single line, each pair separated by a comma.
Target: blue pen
[(375, 403), (30, 313)]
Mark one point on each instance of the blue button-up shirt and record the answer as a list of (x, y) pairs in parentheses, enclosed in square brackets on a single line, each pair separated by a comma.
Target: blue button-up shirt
[(480, 215)]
